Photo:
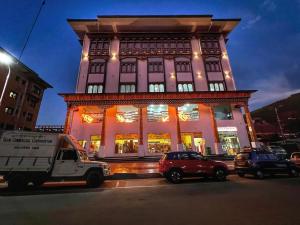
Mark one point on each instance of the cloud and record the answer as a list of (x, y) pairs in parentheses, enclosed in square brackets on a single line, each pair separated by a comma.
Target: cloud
[(271, 90), (251, 22), (269, 5)]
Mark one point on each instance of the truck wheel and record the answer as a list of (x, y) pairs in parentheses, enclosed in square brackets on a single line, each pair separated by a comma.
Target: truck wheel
[(293, 172), (94, 179), (259, 174), (240, 174), (17, 183), (174, 176), (220, 174)]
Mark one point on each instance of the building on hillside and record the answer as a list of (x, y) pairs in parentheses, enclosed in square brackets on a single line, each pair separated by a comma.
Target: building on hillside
[(50, 128), (22, 96), (153, 84)]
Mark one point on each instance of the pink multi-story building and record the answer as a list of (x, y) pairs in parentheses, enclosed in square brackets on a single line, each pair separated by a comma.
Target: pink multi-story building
[(152, 84)]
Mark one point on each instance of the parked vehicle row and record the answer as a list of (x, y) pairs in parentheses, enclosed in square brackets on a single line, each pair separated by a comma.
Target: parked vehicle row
[(34, 158), (261, 163)]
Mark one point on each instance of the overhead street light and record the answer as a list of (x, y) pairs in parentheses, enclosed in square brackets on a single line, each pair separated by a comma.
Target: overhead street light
[(7, 60)]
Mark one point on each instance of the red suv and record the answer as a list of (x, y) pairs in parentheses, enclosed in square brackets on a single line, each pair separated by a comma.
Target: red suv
[(176, 165)]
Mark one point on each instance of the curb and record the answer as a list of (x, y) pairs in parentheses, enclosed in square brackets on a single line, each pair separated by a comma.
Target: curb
[(128, 176)]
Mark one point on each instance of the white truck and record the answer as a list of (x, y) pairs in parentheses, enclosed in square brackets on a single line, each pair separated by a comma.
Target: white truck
[(34, 158)]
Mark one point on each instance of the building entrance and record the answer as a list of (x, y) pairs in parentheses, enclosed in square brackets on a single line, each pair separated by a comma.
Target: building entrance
[(193, 141)]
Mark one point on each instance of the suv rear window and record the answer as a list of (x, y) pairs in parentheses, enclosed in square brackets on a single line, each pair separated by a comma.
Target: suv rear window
[(266, 156), (242, 156), (178, 156)]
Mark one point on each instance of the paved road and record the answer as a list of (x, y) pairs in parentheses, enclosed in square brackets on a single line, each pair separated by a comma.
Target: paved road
[(274, 201)]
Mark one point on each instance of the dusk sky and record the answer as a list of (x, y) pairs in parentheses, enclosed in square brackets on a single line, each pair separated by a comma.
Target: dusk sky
[(263, 49)]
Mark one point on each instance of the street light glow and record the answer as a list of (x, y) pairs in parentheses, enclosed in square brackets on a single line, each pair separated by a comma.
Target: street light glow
[(5, 58)]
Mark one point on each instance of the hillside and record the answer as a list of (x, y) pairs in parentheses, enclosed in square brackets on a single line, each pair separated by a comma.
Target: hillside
[(288, 111)]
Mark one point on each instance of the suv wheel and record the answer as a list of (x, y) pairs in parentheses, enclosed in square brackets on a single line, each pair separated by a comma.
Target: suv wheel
[(259, 174), (17, 183), (174, 176), (94, 179), (293, 172), (220, 174), (241, 174)]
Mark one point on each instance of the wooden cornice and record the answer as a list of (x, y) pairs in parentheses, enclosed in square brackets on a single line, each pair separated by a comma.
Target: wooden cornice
[(239, 97)]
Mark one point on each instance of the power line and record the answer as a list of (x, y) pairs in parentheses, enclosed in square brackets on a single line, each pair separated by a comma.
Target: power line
[(31, 29)]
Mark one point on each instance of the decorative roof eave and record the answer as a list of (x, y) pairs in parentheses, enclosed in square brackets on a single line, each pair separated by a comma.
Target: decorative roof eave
[(152, 24), (77, 99)]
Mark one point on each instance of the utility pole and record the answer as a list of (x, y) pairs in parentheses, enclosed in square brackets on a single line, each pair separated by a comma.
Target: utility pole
[(31, 29), (279, 123)]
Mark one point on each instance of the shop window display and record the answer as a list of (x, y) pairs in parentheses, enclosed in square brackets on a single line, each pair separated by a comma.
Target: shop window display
[(188, 112), (159, 143), (158, 113), (223, 112), (125, 144), (127, 114), (229, 140), (94, 143)]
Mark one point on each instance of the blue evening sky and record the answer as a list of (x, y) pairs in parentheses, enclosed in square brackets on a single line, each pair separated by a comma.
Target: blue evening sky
[(264, 49)]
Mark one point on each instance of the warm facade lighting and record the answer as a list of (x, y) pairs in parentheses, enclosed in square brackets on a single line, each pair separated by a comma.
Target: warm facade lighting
[(114, 56), (85, 57), (172, 75), (165, 119), (196, 55), (227, 74), (224, 55), (199, 75), (87, 118)]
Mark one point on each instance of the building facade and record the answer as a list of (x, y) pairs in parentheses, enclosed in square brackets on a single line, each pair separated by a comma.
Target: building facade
[(22, 97), (153, 84)]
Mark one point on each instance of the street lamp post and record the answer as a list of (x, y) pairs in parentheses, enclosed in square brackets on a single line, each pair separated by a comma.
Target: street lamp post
[(7, 60)]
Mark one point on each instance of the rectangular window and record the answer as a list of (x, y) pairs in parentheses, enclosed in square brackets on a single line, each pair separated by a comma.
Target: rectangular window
[(188, 112), (128, 67), (185, 87), (155, 67), (157, 113), (36, 90), (183, 66), (9, 110), (212, 66), (223, 112), (159, 143), (96, 67), (216, 86), (127, 88), (29, 117), (126, 143), (95, 88), (32, 101), (127, 114), (13, 95), (156, 87)]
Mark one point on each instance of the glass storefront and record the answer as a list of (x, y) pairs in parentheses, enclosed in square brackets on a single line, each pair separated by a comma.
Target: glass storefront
[(229, 140), (223, 112), (157, 113), (127, 114), (193, 141), (126, 143), (188, 112), (159, 143), (94, 143)]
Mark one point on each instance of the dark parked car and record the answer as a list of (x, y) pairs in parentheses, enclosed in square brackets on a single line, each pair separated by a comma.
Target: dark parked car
[(261, 163), (176, 165)]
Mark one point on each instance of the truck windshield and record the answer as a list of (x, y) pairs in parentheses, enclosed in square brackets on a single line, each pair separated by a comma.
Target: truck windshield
[(76, 143), (83, 155)]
